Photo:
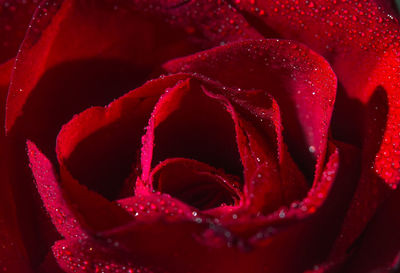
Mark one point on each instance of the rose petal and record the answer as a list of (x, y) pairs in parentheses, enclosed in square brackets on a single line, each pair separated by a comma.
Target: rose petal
[(347, 39), (149, 207), (260, 121), (259, 156), (305, 242), (180, 127), (195, 183), (354, 36), (391, 6), (371, 190), (379, 245), (110, 51), (50, 265), (176, 247), (320, 214), (87, 256), (14, 19), (210, 23), (331, 267), (32, 230), (300, 80), (100, 146), (259, 136), (13, 254), (75, 211)]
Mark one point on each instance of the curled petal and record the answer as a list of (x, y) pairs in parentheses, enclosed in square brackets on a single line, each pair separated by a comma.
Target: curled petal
[(74, 210), (195, 183), (300, 80), (77, 54), (180, 128), (90, 256), (348, 40), (100, 146)]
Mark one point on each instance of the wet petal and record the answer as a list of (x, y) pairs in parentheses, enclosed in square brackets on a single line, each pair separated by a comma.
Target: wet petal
[(300, 80), (371, 190), (259, 135), (353, 36), (180, 127), (195, 183), (149, 207), (317, 220), (260, 152), (100, 146), (109, 52), (187, 239), (74, 210), (305, 241), (210, 23), (14, 20), (90, 256)]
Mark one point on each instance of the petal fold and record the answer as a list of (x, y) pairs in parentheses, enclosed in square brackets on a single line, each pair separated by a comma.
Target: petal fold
[(301, 81)]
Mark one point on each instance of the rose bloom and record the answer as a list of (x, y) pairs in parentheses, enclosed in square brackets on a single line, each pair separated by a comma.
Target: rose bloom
[(168, 136)]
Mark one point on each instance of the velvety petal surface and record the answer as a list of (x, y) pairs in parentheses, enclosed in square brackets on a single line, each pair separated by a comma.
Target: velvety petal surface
[(378, 249), (192, 241), (100, 147), (300, 80), (196, 183), (14, 252), (13, 255), (358, 38), (89, 256), (83, 53), (14, 20), (210, 23), (371, 189), (360, 41), (179, 127), (75, 54), (75, 210)]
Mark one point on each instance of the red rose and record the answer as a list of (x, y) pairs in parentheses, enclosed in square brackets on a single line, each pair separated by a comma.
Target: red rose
[(237, 136)]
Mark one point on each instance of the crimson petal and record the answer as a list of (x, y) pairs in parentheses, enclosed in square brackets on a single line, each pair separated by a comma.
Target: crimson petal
[(378, 248), (210, 23), (371, 190), (100, 146), (195, 183), (300, 80), (74, 210), (187, 240), (82, 53), (13, 254), (321, 213), (148, 207), (180, 127), (14, 19), (259, 134), (347, 37), (90, 256)]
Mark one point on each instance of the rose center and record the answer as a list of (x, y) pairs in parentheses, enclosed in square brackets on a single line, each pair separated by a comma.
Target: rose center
[(195, 183)]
